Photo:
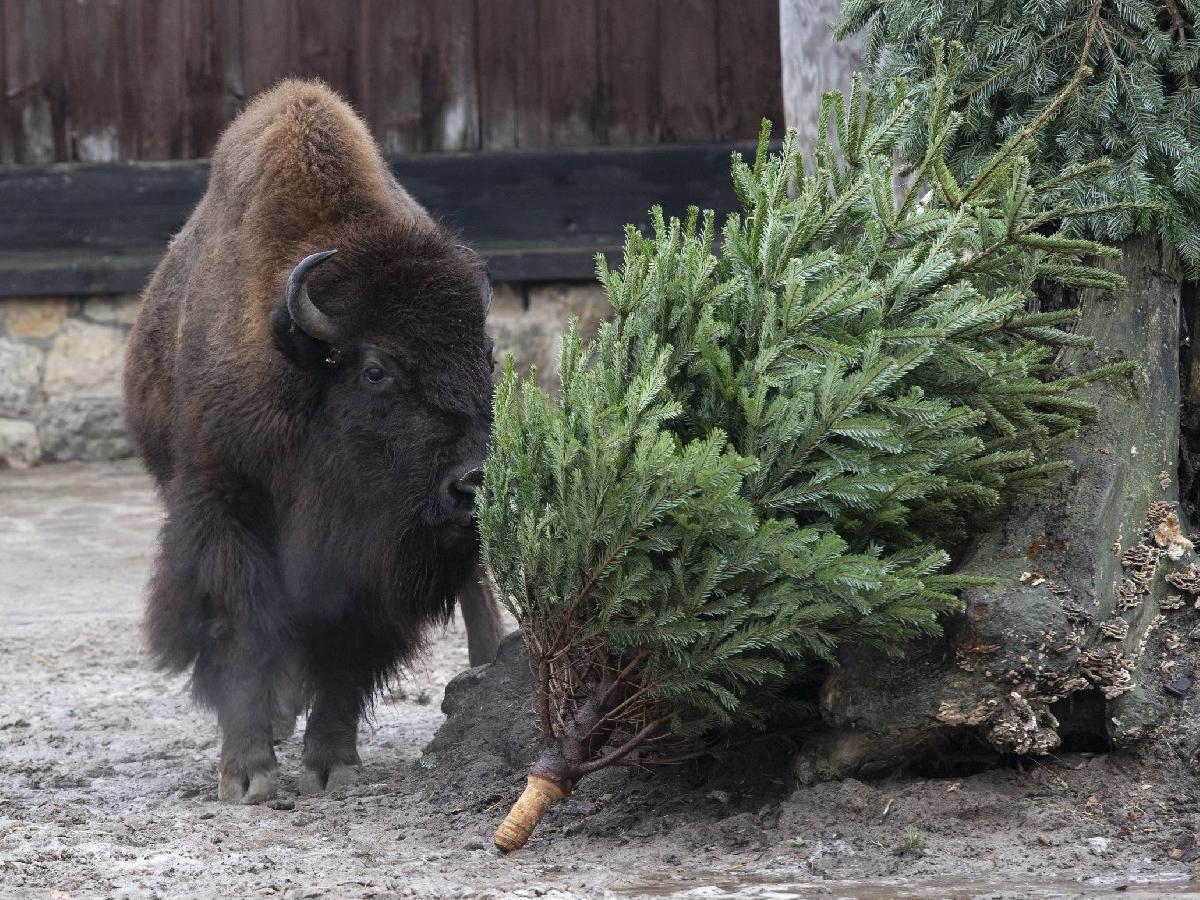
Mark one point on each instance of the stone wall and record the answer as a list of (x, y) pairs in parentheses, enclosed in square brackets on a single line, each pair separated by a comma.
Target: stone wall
[(528, 322), (61, 358), (60, 378)]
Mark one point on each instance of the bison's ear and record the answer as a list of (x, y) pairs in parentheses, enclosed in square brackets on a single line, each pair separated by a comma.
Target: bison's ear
[(302, 349)]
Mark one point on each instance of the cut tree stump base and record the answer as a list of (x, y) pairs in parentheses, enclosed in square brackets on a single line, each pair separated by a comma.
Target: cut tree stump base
[(539, 795)]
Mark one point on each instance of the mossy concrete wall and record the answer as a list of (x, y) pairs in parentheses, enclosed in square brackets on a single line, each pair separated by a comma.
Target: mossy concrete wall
[(61, 359)]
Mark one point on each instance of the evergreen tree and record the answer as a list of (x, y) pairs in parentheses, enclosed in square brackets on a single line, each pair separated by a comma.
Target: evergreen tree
[(767, 450), (1139, 108)]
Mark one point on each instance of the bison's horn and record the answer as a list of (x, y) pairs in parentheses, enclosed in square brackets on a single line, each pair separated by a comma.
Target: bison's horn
[(485, 286), (487, 292), (303, 311)]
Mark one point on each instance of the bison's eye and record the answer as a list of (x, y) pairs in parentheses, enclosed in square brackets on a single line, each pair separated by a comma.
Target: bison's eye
[(375, 374)]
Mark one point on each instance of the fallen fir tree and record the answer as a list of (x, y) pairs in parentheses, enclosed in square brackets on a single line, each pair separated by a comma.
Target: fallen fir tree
[(768, 451)]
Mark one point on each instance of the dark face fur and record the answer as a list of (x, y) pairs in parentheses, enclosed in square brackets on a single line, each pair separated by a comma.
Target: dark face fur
[(401, 386)]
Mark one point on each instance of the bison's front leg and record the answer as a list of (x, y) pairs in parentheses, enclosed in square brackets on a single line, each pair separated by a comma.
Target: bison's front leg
[(341, 688), (217, 597), (238, 678), (481, 615)]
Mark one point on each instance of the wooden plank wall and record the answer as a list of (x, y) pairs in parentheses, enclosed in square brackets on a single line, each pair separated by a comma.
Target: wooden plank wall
[(813, 63), (535, 215), (100, 80)]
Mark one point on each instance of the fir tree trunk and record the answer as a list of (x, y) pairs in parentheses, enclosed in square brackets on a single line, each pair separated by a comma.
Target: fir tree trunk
[(1189, 460), (1056, 646), (572, 750)]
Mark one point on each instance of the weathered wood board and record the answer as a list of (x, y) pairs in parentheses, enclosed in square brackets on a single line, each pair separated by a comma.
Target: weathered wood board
[(536, 216)]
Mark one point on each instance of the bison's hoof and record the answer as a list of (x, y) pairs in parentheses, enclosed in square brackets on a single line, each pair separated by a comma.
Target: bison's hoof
[(339, 776), (283, 726), (238, 787)]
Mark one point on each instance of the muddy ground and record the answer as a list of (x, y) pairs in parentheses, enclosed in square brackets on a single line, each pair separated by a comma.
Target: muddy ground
[(108, 784)]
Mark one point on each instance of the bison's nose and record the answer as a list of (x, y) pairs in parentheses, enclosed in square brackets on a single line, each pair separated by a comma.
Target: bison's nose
[(469, 482), (460, 489)]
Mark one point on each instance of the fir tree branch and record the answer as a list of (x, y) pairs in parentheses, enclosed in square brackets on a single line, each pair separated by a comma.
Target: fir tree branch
[(1144, 127), (1014, 144), (560, 640), (615, 756), (1141, 112), (622, 709), (1000, 74)]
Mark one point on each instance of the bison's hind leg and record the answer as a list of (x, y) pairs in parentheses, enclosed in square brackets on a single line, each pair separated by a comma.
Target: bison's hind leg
[(289, 698)]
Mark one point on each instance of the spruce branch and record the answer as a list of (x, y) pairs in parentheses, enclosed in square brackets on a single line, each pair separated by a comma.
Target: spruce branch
[(1014, 145), (1138, 107)]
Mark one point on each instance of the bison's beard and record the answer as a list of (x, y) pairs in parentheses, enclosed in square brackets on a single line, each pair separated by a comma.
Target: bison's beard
[(365, 566), (400, 572)]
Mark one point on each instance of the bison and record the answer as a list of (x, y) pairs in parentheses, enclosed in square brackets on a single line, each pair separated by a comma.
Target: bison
[(309, 382)]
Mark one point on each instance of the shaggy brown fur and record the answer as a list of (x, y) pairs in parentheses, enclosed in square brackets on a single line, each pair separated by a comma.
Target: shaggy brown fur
[(318, 518)]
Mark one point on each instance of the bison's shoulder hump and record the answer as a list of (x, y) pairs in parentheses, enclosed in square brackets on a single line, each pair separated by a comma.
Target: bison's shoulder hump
[(298, 154)]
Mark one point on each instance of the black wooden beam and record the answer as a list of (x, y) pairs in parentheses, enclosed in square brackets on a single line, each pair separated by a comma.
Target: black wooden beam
[(536, 215)]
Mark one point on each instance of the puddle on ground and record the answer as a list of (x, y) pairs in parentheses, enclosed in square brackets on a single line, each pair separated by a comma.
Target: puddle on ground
[(774, 887)]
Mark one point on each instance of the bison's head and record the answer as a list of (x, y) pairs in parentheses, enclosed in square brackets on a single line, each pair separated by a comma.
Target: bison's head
[(387, 333)]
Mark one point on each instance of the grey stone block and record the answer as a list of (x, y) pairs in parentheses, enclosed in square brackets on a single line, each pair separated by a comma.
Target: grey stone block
[(119, 310), (530, 324), (85, 358), (84, 428), (20, 378), (19, 445)]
